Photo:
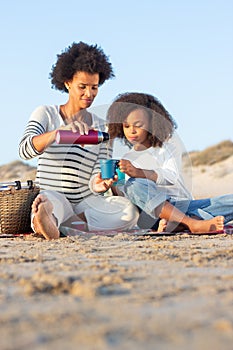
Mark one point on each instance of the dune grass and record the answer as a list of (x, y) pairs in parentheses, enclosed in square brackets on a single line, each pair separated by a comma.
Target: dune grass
[(212, 154)]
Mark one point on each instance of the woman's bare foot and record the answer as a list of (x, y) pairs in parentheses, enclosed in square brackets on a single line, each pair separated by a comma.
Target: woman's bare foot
[(162, 225), (204, 226), (44, 222)]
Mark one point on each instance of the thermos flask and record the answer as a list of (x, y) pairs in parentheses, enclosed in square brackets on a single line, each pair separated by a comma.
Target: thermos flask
[(69, 137)]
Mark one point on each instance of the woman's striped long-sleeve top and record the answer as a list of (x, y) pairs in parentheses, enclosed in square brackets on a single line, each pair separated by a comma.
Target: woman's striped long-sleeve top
[(63, 168)]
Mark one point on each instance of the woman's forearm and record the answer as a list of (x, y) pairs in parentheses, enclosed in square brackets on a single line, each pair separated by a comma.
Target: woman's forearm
[(41, 142)]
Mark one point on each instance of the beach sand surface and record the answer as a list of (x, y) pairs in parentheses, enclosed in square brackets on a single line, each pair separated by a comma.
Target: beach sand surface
[(117, 292)]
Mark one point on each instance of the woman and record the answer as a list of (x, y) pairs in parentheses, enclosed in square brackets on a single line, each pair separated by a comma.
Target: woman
[(68, 175)]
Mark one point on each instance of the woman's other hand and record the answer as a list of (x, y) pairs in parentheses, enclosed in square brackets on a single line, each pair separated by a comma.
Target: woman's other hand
[(102, 185), (76, 126)]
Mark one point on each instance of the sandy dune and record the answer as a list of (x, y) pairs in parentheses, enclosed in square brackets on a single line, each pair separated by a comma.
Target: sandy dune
[(209, 181)]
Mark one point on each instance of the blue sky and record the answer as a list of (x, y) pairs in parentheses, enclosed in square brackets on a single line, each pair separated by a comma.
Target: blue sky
[(180, 51)]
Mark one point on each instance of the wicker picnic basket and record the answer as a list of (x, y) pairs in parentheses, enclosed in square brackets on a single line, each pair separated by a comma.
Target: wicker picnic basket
[(15, 207)]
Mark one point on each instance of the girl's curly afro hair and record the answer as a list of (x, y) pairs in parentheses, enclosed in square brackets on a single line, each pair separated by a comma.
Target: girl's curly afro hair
[(80, 57), (161, 126)]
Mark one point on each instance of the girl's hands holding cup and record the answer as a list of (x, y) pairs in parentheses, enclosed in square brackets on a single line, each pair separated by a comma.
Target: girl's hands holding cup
[(127, 167)]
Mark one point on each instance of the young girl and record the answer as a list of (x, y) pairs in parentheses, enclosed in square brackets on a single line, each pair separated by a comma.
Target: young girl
[(155, 182)]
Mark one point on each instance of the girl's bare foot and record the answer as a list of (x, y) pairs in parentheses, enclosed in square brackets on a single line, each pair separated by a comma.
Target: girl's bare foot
[(174, 215), (44, 222), (204, 226)]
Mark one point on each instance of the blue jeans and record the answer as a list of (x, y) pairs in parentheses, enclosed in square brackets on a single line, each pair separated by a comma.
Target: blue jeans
[(147, 196)]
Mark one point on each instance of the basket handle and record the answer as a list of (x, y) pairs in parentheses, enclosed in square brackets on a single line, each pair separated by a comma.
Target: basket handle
[(30, 184), (17, 185)]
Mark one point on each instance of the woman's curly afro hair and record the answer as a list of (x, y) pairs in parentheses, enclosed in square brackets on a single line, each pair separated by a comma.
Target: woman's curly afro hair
[(80, 57), (161, 126)]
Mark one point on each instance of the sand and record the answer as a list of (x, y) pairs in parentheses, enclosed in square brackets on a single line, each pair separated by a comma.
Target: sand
[(117, 292)]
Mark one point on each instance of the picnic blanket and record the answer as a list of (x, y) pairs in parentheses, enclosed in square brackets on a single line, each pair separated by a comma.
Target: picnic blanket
[(76, 231), (79, 231)]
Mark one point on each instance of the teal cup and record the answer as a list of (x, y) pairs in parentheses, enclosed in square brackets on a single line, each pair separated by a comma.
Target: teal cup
[(109, 168)]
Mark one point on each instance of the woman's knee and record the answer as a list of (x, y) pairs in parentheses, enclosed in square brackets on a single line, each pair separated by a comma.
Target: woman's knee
[(112, 213)]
